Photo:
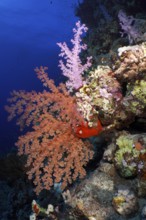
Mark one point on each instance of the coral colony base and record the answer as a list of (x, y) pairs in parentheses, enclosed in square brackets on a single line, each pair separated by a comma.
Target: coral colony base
[(62, 118)]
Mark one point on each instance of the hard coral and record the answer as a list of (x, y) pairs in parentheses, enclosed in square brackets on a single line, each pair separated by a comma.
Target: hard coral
[(126, 157), (132, 62), (100, 96), (54, 153), (130, 155)]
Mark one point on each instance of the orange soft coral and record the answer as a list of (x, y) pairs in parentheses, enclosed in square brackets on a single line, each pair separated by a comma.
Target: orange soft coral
[(54, 153)]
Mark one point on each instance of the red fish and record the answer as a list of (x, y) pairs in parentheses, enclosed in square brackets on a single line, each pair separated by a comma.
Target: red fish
[(84, 131)]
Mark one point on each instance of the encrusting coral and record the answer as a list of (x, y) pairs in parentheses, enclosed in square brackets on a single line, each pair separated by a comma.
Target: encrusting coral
[(129, 158), (100, 96), (131, 63), (54, 153), (126, 157), (131, 71)]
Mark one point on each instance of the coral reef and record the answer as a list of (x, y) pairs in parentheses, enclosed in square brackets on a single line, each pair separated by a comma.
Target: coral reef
[(104, 35), (118, 91), (107, 99), (57, 117), (107, 195)]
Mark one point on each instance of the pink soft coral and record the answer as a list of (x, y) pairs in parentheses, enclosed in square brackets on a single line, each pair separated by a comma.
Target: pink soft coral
[(73, 68), (54, 153)]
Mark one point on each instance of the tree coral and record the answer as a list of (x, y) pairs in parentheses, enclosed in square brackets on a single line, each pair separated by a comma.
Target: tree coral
[(54, 153)]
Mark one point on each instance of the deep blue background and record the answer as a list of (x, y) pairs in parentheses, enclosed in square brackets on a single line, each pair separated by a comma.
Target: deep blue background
[(29, 31)]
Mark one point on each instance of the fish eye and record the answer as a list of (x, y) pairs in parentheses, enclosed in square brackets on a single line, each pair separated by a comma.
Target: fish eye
[(80, 132)]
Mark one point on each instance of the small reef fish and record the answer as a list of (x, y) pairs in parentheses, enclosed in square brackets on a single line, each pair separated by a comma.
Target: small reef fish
[(84, 131)]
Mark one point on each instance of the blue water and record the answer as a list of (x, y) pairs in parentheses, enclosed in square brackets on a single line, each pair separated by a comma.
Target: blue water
[(29, 32)]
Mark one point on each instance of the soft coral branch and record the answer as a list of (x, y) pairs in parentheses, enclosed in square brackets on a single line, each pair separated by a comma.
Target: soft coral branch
[(73, 69), (54, 153)]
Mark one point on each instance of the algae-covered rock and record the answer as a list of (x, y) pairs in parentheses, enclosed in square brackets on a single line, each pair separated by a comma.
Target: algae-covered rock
[(130, 154), (129, 157), (125, 202), (126, 157)]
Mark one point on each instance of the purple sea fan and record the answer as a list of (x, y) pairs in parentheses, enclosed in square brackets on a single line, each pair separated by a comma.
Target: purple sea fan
[(73, 68)]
